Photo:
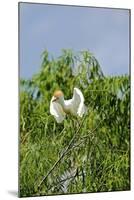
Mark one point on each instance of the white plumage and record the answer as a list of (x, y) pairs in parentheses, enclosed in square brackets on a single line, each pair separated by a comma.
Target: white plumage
[(60, 107)]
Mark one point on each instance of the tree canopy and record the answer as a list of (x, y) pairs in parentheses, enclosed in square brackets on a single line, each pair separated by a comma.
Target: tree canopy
[(98, 159)]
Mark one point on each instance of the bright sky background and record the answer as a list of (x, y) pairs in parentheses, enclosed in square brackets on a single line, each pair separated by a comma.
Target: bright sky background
[(105, 32)]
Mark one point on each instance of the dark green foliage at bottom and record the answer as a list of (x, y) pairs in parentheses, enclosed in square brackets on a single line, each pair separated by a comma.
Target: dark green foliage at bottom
[(99, 157)]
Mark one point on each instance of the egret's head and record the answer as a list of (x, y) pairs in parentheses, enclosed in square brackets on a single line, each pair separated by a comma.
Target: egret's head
[(58, 96)]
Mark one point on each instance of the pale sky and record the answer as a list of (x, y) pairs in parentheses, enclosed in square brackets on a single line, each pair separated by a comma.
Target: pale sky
[(105, 32)]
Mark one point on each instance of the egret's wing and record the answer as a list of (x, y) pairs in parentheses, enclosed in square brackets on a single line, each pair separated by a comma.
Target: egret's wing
[(78, 102), (57, 111)]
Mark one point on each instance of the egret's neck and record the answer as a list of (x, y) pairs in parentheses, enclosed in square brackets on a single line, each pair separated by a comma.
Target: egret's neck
[(62, 102), (64, 105)]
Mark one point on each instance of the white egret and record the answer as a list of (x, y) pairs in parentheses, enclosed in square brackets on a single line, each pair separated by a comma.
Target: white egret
[(60, 107)]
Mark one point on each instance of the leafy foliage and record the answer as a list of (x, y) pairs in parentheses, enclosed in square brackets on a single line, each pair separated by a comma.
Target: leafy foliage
[(99, 157)]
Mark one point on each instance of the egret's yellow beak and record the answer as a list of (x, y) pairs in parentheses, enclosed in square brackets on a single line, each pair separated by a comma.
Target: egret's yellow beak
[(55, 98)]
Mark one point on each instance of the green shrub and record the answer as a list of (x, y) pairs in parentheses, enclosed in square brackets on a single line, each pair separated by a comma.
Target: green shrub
[(98, 159)]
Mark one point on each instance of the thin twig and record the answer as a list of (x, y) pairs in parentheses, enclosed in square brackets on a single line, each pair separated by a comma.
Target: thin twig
[(61, 132)]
